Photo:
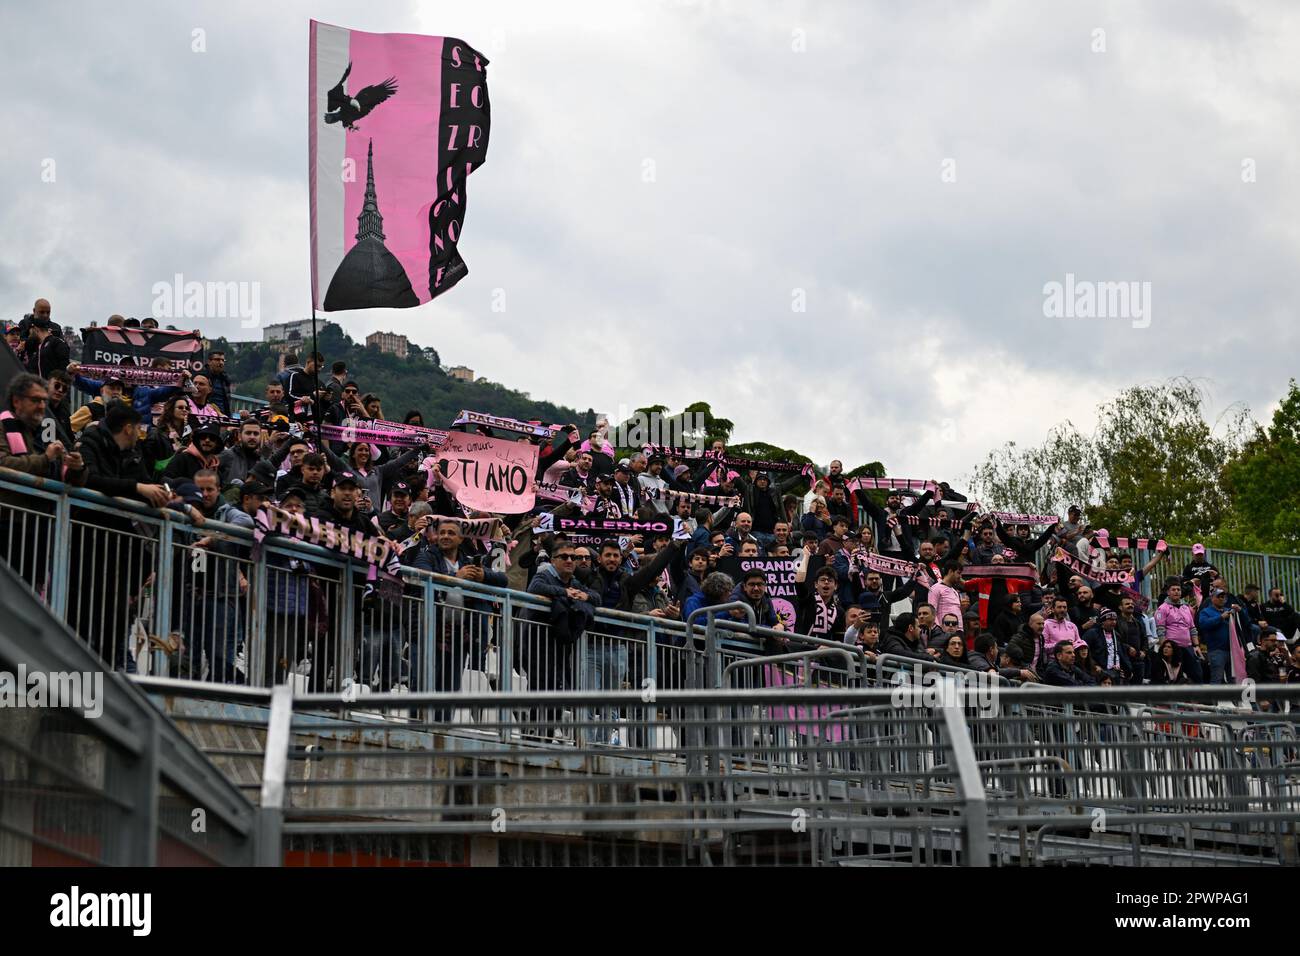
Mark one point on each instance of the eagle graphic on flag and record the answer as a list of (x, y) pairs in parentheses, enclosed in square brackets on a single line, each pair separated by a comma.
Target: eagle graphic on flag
[(397, 123)]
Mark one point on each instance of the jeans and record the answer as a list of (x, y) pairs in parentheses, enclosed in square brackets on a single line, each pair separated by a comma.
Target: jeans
[(1218, 667), (213, 626), (381, 649), (1192, 664), (606, 669)]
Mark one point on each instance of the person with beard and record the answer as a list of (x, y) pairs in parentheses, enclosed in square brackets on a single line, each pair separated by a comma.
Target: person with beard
[(200, 454), (235, 463), (762, 499), (626, 491), (23, 448), (1084, 612), (1061, 670), (1028, 645), (902, 640), (1107, 650), (59, 409), (1176, 621), (1133, 635), (1279, 614), (582, 475)]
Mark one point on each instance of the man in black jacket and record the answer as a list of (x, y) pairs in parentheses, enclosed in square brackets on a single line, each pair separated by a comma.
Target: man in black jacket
[(1279, 614), (903, 640), (108, 559), (1107, 650), (222, 389), (1061, 671), (342, 509), (46, 350)]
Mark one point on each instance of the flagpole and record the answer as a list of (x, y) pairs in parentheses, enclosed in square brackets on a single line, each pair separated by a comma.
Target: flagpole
[(315, 381)]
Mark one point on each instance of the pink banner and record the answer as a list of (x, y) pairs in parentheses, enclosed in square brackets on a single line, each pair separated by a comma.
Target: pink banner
[(396, 123), (490, 474)]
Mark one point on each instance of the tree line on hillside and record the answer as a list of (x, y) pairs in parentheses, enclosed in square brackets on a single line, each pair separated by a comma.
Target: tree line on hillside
[(404, 384)]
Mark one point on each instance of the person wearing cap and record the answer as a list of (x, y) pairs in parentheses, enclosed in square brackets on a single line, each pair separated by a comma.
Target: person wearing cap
[(143, 397), (606, 504), (110, 393), (1213, 625), (393, 522), (200, 453), (1107, 648), (654, 486), (1199, 566), (627, 491)]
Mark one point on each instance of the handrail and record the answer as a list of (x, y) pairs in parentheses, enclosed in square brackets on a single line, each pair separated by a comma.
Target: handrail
[(782, 658), (916, 662)]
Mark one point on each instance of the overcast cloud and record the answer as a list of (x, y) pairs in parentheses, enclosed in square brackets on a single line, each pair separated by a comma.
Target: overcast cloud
[(797, 150)]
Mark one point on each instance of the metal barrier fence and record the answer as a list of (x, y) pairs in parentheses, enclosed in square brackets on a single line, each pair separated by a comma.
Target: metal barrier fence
[(905, 775), (108, 780)]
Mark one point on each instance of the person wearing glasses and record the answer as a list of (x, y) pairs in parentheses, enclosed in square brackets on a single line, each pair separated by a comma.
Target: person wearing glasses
[(547, 651), (23, 448), (59, 408)]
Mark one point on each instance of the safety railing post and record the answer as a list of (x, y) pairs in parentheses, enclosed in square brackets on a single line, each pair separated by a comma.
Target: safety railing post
[(61, 558), (256, 638), (162, 596), (975, 821), (349, 624), (275, 770), (429, 643)]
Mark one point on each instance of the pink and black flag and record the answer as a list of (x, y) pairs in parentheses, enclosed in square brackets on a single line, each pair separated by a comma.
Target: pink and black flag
[(397, 124)]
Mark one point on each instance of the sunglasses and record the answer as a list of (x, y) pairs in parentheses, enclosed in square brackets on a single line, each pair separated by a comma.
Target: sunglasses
[(949, 623)]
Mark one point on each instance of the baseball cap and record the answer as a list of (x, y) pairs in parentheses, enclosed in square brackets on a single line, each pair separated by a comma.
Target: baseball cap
[(1215, 592), (295, 491), (401, 488), (114, 380), (1198, 548), (255, 487), (346, 478), (624, 467)]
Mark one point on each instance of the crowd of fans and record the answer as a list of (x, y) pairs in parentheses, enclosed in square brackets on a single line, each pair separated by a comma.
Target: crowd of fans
[(182, 446)]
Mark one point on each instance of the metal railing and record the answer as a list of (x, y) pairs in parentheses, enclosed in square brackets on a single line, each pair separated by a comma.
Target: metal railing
[(109, 781), (1033, 776)]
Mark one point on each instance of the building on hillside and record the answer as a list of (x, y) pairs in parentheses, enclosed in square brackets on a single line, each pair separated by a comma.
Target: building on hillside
[(297, 331), (461, 374), (389, 342)]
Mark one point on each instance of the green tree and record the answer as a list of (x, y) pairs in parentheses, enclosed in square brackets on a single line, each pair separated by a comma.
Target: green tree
[(1153, 465), (1263, 485)]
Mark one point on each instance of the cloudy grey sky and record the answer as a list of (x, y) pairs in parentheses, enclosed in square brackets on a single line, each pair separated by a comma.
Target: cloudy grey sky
[(914, 174)]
